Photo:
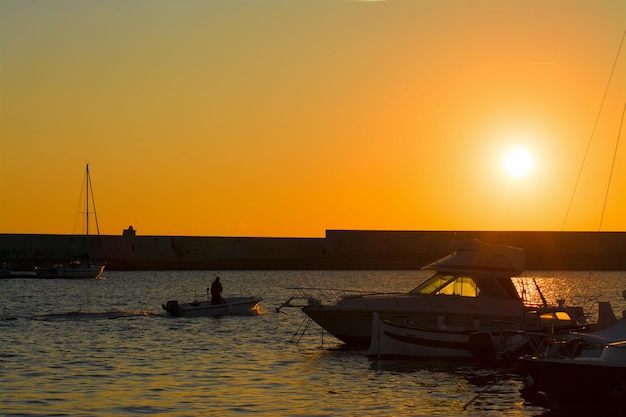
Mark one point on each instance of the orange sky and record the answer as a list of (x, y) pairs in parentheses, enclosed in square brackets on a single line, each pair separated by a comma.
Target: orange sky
[(288, 118)]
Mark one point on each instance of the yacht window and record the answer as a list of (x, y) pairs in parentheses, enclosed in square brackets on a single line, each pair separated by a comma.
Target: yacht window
[(562, 315), (501, 287), (448, 284), (463, 286), (432, 284), (556, 315)]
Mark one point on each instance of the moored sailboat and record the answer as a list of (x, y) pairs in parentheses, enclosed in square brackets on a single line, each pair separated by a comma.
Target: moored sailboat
[(86, 265)]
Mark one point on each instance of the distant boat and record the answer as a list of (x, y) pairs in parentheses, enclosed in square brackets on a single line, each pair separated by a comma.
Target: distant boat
[(85, 265)]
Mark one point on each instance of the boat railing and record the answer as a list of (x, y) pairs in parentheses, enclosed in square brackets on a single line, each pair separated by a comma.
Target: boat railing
[(319, 295), (565, 345)]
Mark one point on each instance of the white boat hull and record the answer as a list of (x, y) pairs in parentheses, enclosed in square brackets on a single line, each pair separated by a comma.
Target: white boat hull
[(79, 271), (234, 306), (350, 320), (92, 271), (393, 340)]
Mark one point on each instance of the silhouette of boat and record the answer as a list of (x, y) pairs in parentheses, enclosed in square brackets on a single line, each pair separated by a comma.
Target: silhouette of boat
[(85, 265)]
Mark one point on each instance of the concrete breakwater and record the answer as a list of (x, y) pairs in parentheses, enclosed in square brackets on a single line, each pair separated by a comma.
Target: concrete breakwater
[(339, 249)]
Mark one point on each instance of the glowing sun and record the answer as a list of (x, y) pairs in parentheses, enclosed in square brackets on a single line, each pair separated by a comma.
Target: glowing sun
[(518, 162)]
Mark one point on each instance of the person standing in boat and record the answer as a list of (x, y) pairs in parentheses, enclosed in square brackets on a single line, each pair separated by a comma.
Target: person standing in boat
[(216, 292)]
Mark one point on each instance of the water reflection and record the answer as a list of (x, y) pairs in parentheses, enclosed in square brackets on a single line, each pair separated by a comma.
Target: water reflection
[(99, 348)]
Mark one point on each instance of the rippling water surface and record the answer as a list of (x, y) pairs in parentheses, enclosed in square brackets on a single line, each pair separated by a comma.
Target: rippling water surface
[(104, 347)]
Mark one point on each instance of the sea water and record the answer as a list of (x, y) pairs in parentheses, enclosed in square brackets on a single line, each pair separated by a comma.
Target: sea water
[(101, 347)]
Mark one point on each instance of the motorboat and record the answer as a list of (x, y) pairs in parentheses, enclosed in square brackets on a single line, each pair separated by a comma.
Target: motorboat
[(489, 339), (579, 375), (580, 370), (496, 344), (232, 306), (402, 341), (586, 382), (471, 291)]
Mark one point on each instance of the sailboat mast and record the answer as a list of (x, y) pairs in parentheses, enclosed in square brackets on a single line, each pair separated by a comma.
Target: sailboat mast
[(87, 201)]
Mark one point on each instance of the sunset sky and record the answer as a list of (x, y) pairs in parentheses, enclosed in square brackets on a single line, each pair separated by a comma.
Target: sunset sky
[(288, 118)]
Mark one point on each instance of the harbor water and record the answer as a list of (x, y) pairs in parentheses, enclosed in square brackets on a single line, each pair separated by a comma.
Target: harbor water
[(101, 347)]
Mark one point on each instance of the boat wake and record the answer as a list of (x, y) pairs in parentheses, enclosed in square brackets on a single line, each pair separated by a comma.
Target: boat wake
[(89, 315)]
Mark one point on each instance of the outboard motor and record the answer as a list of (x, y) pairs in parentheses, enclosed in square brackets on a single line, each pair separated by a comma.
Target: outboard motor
[(482, 347), (606, 317), (172, 308)]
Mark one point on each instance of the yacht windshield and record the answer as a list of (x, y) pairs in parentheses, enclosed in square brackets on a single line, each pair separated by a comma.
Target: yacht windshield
[(448, 284), (432, 284), (466, 286), (463, 286)]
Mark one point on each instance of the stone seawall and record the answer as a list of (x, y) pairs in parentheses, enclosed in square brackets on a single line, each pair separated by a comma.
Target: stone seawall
[(340, 249)]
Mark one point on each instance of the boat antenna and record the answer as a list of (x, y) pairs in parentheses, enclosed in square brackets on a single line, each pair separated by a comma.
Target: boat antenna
[(593, 131)]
